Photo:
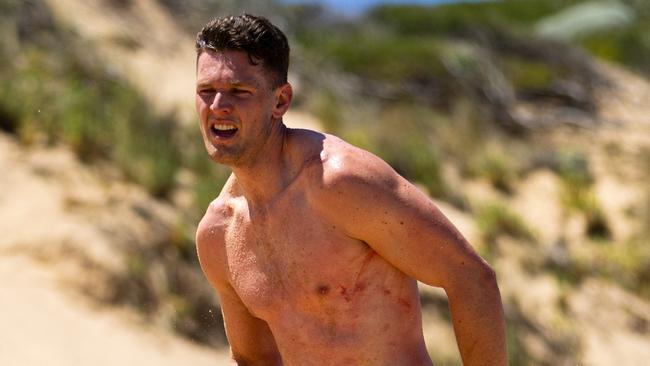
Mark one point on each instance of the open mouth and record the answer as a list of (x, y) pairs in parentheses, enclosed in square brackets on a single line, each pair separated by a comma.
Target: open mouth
[(223, 131)]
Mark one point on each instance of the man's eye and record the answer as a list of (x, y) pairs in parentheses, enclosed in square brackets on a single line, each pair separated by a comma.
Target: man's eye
[(241, 92), (206, 91)]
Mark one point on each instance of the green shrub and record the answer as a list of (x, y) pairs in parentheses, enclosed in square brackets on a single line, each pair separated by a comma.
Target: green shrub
[(207, 187), (59, 98), (529, 74), (497, 167), (517, 352), (383, 56), (460, 18), (208, 177), (578, 193), (629, 46), (573, 169), (402, 135), (495, 219), (327, 109), (627, 263)]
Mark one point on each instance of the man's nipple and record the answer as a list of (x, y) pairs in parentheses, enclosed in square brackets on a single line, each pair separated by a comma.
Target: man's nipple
[(322, 290)]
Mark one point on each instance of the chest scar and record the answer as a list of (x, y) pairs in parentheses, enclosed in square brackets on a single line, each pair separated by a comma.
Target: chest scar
[(359, 286)]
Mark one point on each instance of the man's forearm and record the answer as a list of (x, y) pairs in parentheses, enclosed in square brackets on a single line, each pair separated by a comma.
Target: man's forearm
[(273, 359), (479, 324), (242, 363)]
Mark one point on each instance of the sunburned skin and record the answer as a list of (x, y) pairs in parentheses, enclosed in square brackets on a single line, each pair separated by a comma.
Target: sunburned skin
[(328, 298), (314, 246)]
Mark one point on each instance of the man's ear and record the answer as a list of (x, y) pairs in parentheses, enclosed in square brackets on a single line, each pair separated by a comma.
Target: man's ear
[(283, 97)]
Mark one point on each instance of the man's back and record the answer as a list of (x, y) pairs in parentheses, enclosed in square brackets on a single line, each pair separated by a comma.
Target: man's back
[(327, 297)]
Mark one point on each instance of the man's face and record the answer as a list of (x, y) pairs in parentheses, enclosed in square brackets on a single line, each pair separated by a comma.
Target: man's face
[(236, 104)]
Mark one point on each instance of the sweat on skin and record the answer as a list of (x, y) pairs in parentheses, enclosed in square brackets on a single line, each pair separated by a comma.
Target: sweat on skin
[(315, 246)]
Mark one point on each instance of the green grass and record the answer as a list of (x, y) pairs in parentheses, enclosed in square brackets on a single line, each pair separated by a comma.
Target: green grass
[(208, 185), (325, 106), (495, 219), (629, 264), (626, 263), (59, 98), (460, 18), (517, 352), (496, 166), (380, 56), (529, 74), (403, 135), (55, 91), (578, 193), (629, 46)]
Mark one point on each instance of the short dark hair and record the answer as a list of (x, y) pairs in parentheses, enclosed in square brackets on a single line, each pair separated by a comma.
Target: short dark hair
[(255, 35)]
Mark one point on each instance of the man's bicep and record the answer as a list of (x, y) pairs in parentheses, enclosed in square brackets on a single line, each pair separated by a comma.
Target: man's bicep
[(413, 234), (421, 241), (404, 226), (250, 339)]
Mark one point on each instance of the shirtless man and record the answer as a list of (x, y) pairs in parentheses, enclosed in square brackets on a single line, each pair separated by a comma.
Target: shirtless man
[(314, 246)]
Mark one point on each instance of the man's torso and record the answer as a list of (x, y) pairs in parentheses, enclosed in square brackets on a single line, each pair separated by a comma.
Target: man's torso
[(327, 298)]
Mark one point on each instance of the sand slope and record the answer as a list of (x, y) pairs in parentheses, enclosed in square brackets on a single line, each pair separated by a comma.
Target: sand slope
[(60, 225), (46, 324)]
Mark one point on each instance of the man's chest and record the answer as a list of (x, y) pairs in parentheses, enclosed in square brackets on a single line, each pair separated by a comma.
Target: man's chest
[(289, 257)]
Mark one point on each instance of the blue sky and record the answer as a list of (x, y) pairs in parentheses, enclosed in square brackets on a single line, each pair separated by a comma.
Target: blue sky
[(353, 7)]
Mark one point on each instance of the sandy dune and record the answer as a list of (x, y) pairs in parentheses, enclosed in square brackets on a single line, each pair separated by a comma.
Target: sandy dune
[(46, 324), (54, 240)]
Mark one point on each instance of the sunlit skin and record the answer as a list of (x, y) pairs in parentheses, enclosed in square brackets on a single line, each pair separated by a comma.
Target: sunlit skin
[(314, 246), (230, 92)]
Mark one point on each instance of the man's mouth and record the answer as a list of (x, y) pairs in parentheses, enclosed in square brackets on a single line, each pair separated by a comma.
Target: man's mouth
[(223, 130)]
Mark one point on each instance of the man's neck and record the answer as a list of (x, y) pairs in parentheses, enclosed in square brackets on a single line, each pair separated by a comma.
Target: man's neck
[(269, 173)]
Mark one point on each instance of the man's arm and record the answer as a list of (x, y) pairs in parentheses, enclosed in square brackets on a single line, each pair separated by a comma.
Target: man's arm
[(251, 341), (374, 204)]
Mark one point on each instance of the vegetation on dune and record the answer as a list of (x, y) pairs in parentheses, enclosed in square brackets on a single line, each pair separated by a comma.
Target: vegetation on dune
[(409, 51), (578, 194), (421, 62), (624, 43), (456, 19), (55, 90), (496, 219)]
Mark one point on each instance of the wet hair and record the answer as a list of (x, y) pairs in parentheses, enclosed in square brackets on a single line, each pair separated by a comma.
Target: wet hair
[(257, 36)]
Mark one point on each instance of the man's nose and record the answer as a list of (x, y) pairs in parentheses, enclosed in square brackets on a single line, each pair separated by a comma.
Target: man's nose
[(221, 104)]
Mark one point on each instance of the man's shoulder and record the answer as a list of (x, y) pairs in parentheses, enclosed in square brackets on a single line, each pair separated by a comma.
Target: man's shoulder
[(348, 174), (218, 213), (211, 237), (217, 216), (348, 166), (355, 189)]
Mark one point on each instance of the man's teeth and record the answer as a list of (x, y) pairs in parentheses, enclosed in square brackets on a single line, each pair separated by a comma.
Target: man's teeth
[(224, 127)]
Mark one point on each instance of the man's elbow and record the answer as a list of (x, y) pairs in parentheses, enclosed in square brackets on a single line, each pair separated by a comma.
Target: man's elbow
[(485, 279), (476, 278), (486, 276)]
